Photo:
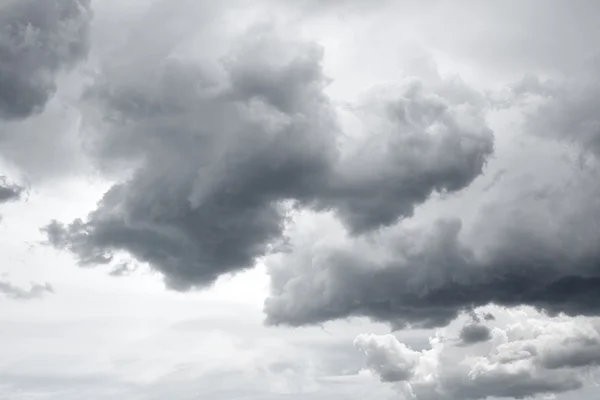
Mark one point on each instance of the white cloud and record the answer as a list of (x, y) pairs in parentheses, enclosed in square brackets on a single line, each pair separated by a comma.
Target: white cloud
[(531, 355)]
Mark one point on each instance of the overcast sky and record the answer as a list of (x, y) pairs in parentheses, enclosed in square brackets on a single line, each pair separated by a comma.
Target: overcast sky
[(308, 199)]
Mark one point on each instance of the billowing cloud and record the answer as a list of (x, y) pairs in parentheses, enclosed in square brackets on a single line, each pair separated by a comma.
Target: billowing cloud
[(531, 244), (527, 358), (38, 40), (418, 138), (219, 154), (215, 159), (387, 357), (224, 147), (532, 240), (18, 293)]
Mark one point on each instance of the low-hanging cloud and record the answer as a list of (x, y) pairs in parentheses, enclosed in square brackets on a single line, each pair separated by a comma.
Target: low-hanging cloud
[(218, 152), (214, 162), (533, 243), (219, 156), (535, 247)]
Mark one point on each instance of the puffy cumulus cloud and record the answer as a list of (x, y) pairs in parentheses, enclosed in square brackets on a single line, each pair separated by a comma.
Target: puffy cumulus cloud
[(219, 150), (534, 243), (18, 293), (391, 360), (528, 357), (9, 191), (38, 40)]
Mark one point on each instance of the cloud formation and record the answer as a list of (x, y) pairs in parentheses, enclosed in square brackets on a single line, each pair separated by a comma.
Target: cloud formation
[(417, 138), (38, 40), (9, 191), (474, 333), (219, 155), (215, 159), (531, 241), (15, 292), (224, 149), (529, 357), (528, 245)]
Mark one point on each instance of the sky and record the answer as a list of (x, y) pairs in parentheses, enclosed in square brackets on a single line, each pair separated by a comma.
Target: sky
[(324, 199)]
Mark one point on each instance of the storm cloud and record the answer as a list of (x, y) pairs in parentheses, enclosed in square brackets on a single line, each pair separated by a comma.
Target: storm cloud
[(536, 247), (214, 160), (218, 156), (381, 165), (214, 154), (38, 40), (532, 240)]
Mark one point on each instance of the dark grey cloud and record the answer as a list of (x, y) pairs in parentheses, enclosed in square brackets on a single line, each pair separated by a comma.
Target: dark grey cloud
[(535, 244), (219, 155), (422, 138), (9, 191), (15, 292), (474, 333), (214, 162), (38, 40), (426, 280), (536, 247)]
